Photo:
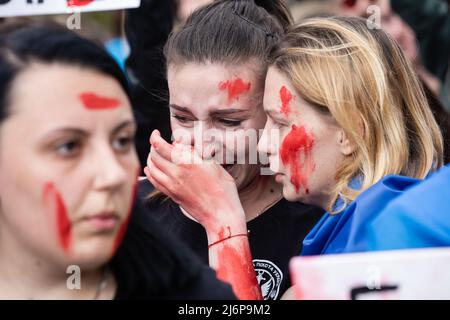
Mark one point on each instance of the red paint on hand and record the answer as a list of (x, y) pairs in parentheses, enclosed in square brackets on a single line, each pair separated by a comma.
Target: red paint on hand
[(78, 3), (286, 98), (235, 88), (296, 151), (92, 101), (64, 230)]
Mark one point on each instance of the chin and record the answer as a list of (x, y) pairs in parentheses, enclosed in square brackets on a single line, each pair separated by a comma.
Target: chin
[(93, 253)]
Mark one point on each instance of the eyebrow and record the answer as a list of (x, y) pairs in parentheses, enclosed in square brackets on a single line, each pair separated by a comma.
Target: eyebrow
[(83, 133), (124, 124), (182, 109), (227, 112)]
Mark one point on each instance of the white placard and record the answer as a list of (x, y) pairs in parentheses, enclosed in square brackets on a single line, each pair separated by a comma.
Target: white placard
[(14, 8), (388, 275)]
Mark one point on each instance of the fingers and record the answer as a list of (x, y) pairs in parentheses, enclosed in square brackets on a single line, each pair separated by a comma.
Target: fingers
[(157, 178), (159, 144), (157, 174), (161, 163)]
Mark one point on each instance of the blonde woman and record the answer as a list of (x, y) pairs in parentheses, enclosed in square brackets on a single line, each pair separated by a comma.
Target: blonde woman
[(350, 113)]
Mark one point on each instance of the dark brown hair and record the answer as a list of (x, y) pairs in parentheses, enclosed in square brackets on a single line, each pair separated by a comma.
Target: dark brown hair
[(229, 32)]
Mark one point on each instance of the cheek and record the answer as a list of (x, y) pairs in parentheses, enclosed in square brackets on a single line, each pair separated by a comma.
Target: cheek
[(296, 154), (58, 213), (182, 134), (123, 228)]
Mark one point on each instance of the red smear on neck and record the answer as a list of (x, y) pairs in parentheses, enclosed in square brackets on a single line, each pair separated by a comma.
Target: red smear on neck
[(63, 225), (235, 88), (91, 101), (231, 259), (78, 3), (286, 98), (124, 226), (296, 151)]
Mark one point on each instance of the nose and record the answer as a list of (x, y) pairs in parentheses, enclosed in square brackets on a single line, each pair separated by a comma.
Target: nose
[(207, 139), (266, 142), (109, 172)]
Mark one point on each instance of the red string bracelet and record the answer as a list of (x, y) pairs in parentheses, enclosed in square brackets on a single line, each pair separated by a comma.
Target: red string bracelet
[(228, 237)]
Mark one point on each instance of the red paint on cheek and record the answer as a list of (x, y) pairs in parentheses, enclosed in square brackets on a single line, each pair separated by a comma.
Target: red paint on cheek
[(235, 88), (91, 101), (64, 230), (296, 152), (124, 226), (246, 285), (78, 3), (286, 98)]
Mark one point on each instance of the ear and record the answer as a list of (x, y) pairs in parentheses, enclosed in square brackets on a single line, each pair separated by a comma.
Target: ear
[(345, 145)]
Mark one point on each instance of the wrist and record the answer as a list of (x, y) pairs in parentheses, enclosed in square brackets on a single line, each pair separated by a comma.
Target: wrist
[(225, 228)]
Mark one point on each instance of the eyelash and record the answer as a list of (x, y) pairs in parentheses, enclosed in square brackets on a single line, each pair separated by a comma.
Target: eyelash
[(224, 122)]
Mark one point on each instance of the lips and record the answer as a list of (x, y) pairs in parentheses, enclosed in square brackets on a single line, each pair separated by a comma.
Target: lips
[(102, 222)]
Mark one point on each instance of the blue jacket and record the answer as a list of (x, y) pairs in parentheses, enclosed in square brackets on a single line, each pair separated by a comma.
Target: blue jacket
[(395, 213)]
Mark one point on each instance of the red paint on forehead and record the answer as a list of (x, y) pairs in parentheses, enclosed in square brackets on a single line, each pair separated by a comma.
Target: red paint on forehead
[(286, 98), (235, 88), (78, 3), (92, 101), (64, 230), (296, 152)]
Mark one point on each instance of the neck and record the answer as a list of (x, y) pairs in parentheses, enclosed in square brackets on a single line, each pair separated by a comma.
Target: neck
[(26, 275), (259, 195)]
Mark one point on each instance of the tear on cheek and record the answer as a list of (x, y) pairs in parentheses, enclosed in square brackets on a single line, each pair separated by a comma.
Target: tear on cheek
[(92, 101), (296, 153), (235, 88), (286, 98), (54, 201)]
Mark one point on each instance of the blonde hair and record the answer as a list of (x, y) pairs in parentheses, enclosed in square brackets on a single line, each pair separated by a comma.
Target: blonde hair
[(361, 77)]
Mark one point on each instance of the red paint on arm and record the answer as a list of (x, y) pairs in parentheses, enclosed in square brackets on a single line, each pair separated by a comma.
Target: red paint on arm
[(92, 101), (296, 151), (63, 225), (78, 3), (235, 88), (235, 266), (286, 98)]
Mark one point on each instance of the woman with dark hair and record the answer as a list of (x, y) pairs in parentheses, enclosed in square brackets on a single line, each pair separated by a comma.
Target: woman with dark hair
[(216, 66), (68, 173)]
